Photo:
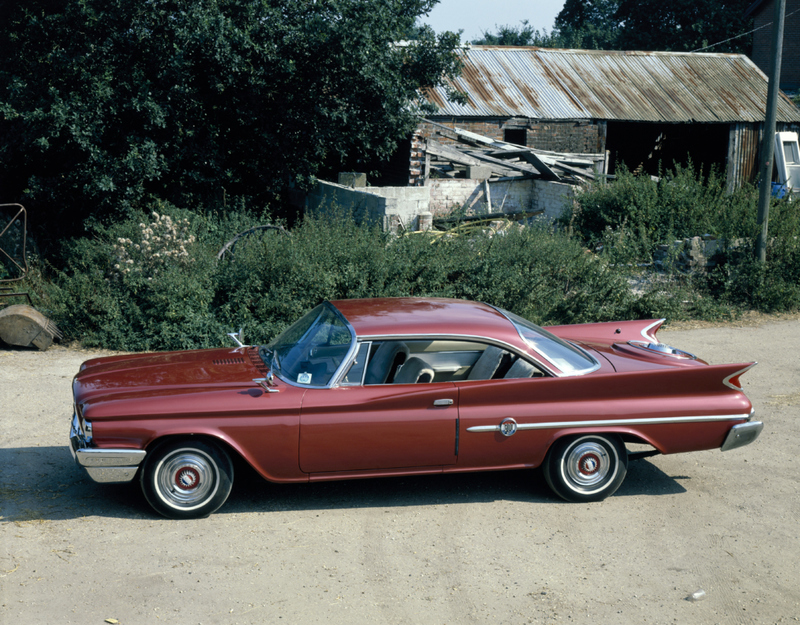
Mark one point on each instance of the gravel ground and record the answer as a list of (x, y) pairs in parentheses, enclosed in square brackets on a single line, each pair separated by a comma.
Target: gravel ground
[(487, 548)]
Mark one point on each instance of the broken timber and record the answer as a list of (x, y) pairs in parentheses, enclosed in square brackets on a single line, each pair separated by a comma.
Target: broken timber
[(507, 161)]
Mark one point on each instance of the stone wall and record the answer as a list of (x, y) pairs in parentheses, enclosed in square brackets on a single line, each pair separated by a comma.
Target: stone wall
[(395, 207), (513, 196), (390, 206)]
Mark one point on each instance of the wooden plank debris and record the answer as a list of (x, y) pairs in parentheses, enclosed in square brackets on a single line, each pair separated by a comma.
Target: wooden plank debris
[(507, 161)]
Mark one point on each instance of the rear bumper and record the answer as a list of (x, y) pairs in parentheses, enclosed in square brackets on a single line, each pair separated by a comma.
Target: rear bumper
[(103, 465), (742, 434)]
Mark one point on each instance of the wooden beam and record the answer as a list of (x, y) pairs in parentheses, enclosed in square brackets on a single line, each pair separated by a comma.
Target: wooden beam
[(451, 154), (523, 167)]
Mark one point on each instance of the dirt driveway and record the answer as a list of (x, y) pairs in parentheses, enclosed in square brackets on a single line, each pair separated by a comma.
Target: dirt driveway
[(490, 548)]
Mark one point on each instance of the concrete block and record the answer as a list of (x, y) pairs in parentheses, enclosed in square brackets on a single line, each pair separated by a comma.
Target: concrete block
[(478, 172), (352, 179)]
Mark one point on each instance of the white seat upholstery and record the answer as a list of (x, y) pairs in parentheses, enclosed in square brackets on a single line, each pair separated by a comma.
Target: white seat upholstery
[(383, 364), (520, 369), (414, 371), (486, 365)]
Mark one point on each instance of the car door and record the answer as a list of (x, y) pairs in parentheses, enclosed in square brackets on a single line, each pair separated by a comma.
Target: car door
[(486, 404), (378, 427)]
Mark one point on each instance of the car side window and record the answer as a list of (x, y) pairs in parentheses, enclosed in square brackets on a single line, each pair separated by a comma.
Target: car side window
[(420, 361)]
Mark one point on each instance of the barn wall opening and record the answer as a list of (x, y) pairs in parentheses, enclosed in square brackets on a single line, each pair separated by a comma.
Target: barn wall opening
[(517, 136), (652, 147)]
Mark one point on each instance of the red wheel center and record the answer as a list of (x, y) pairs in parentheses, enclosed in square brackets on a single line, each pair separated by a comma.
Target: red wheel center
[(589, 464), (187, 478)]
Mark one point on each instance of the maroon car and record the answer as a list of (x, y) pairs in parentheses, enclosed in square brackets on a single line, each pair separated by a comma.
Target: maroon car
[(386, 387)]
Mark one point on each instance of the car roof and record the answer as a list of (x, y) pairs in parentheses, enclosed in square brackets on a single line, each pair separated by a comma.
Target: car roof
[(403, 316)]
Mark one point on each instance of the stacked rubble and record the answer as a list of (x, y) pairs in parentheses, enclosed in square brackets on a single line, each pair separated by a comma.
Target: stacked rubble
[(456, 153)]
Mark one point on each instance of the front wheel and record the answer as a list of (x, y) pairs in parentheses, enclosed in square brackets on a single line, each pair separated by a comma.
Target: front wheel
[(187, 479), (586, 468)]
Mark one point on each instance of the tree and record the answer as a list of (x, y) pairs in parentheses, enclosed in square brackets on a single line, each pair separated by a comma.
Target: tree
[(678, 25), (589, 24), (108, 104), (684, 25), (522, 35)]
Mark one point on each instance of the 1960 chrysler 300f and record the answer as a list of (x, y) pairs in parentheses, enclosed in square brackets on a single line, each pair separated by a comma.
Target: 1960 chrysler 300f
[(367, 388)]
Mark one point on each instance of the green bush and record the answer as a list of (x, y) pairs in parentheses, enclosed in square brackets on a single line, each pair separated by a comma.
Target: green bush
[(112, 294), (630, 217), (772, 286)]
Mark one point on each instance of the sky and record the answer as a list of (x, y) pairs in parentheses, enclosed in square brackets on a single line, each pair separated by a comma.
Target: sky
[(476, 16)]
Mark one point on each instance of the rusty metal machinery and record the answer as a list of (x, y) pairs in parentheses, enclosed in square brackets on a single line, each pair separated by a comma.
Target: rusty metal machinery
[(20, 324)]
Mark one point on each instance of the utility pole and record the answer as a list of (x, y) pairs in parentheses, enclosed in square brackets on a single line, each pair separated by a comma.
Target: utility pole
[(768, 140)]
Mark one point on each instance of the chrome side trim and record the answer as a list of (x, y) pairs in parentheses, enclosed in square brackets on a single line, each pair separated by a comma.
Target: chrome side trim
[(611, 422), (651, 337), (727, 381)]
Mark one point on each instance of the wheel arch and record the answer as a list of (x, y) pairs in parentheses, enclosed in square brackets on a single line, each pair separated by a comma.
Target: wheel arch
[(236, 456), (626, 435)]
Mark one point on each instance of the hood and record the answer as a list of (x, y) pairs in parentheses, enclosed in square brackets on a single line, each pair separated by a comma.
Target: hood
[(169, 372)]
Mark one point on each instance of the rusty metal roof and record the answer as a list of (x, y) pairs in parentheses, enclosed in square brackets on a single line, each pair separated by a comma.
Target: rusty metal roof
[(553, 84)]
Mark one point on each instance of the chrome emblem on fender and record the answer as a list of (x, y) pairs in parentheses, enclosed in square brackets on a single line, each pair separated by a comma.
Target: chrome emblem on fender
[(508, 427)]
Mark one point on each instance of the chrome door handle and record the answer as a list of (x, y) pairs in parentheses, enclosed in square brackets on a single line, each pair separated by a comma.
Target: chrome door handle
[(443, 402)]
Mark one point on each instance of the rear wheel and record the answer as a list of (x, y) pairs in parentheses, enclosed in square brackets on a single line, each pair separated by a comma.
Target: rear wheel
[(586, 468), (187, 479)]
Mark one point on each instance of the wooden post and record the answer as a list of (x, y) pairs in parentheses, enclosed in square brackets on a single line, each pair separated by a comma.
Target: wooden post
[(768, 140)]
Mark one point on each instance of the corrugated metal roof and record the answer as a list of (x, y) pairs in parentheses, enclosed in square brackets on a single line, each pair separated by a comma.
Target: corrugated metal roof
[(551, 84)]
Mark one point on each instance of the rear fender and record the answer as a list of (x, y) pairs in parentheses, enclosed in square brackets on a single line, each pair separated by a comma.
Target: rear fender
[(610, 332), (675, 410)]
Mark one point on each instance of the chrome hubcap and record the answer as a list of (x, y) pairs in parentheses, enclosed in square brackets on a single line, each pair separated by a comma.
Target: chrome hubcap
[(588, 464), (186, 479)]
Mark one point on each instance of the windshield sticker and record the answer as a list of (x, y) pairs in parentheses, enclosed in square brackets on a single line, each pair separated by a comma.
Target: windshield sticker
[(304, 378)]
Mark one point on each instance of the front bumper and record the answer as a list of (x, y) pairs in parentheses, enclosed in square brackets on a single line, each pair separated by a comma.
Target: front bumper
[(742, 434), (103, 465)]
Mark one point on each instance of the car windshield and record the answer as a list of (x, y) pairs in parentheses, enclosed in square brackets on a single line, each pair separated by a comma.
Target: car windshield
[(568, 358), (312, 349)]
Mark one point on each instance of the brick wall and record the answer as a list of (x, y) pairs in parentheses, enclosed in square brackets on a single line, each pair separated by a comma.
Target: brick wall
[(569, 136), (762, 42)]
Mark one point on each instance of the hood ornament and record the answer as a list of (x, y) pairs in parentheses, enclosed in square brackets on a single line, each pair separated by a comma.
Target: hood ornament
[(238, 337)]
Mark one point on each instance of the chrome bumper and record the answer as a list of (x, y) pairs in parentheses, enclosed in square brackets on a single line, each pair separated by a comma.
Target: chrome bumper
[(742, 434), (103, 465)]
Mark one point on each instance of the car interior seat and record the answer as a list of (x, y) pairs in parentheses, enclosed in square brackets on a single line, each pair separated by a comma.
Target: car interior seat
[(414, 371), (385, 361)]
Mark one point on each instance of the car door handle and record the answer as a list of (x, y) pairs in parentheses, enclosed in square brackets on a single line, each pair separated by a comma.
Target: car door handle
[(443, 402)]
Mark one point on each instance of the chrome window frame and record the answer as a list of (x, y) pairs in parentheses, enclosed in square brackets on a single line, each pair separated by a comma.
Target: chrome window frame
[(359, 345), (346, 361), (465, 337), (561, 374)]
